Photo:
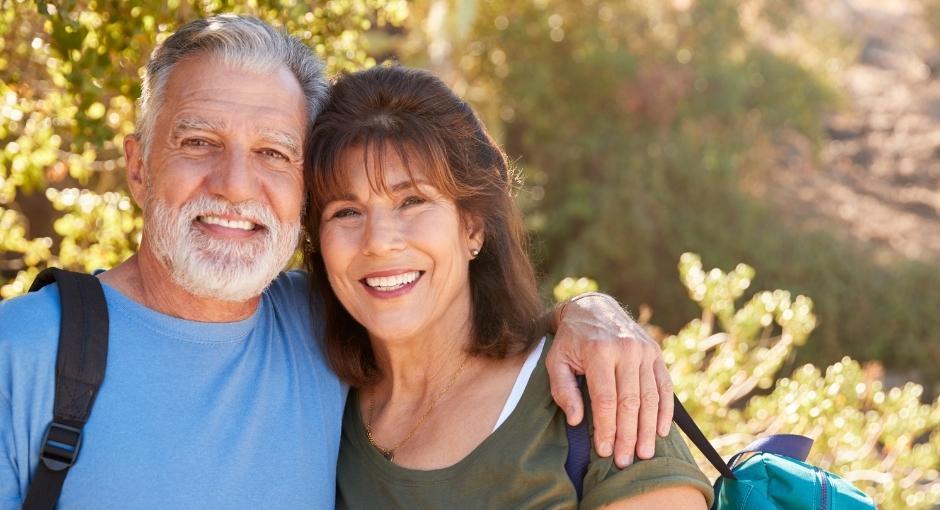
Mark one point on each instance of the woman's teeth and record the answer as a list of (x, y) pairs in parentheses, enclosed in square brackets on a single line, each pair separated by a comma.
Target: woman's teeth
[(390, 283)]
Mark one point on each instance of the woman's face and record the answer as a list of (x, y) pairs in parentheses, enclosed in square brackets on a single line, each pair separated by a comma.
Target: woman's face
[(399, 261)]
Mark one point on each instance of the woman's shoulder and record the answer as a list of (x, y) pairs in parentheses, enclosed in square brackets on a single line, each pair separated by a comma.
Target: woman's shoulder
[(672, 465)]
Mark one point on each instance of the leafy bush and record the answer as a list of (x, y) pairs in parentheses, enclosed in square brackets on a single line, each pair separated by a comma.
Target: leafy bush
[(726, 368)]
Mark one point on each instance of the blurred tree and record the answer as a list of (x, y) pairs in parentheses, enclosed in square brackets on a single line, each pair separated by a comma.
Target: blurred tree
[(647, 128), (69, 75)]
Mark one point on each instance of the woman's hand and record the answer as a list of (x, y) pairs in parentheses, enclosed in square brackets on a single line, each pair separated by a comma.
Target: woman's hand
[(629, 386)]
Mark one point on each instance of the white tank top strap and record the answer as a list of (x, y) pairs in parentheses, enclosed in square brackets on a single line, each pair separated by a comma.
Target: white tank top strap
[(521, 381)]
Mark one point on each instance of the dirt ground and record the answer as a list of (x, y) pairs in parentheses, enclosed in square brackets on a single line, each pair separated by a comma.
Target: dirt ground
[(878, 177)]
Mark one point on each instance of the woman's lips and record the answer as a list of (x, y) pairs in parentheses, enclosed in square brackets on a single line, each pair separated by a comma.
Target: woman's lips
[(385, 285)]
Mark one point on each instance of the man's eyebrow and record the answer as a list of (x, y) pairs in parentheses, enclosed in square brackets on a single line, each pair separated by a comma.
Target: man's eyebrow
[(196, 124), (282, 138)]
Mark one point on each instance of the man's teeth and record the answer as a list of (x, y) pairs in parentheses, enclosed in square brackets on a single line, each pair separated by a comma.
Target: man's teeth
[(227, 223), (389, 283)]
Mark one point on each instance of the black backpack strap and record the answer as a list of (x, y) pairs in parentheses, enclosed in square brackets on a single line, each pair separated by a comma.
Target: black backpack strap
[(579, 450), (80, 364), (684, 421)]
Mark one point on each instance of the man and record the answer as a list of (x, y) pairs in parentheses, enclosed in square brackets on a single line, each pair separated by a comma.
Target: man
[(217, 394)]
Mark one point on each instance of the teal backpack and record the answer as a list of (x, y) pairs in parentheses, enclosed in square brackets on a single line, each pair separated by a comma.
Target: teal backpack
[(770, 474)]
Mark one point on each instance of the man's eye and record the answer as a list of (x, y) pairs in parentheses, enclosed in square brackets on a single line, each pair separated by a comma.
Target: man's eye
[(271, 153), (196, 142)]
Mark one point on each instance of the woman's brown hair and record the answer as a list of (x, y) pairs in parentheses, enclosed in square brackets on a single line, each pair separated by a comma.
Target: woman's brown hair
[(415, 114)]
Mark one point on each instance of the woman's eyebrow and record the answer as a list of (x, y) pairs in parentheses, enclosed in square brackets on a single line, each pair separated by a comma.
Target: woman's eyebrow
[(349, 196), (346, 196), (408, 184)]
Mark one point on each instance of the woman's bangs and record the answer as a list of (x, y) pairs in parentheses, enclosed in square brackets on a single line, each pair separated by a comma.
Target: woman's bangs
[(420, 163)]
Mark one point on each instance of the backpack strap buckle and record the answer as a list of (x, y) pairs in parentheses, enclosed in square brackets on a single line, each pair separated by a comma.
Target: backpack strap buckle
[(60, 445)]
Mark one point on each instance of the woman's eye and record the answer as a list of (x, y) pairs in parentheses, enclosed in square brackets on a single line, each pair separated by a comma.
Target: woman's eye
[(413, 200), (347, 212)]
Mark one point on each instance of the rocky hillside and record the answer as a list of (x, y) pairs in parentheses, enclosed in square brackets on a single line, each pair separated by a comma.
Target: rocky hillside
[(878, 178)]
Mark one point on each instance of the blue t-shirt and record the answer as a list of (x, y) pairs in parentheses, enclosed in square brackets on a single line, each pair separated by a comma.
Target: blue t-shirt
[(190, 415)]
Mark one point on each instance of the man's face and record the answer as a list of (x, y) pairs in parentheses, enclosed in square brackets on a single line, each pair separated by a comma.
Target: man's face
[(222, 187)]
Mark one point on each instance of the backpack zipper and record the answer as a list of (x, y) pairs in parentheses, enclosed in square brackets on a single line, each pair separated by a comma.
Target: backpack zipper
[(824, 488)]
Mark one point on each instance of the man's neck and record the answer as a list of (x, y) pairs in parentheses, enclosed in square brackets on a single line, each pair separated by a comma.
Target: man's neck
[(144, 279)]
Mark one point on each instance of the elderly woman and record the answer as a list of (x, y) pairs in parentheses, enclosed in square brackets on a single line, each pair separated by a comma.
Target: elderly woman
[(431, 305)]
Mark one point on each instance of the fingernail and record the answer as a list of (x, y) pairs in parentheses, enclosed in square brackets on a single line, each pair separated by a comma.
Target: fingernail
[(624, 460), (647, 452), (606, 450)]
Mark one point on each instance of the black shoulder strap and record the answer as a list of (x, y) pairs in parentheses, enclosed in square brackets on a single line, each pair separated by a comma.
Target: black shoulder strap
[(579, 446), (684, 421), (579, 449), (80, 364)]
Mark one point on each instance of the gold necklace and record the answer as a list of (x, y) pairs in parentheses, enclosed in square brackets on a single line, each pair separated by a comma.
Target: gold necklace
[(389, 453)]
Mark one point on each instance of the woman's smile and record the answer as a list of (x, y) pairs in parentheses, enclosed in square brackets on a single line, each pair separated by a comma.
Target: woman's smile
[(389, 284)]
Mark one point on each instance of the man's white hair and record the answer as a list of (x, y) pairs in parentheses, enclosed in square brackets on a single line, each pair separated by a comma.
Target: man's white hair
[(241, 42)]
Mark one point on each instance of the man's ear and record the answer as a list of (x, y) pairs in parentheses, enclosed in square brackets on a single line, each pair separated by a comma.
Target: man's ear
[(134, 155)]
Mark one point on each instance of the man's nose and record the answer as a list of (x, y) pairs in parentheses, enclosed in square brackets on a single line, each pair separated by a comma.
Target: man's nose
[(383, 233), (234, 178)]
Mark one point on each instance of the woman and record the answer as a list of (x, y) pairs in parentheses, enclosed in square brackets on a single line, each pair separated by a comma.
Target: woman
[(430, 303)]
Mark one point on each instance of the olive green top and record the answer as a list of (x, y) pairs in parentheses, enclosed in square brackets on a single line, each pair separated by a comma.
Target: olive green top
[(520, 465)]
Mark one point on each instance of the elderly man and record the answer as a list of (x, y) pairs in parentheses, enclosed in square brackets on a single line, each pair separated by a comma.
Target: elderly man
[(217, 394)]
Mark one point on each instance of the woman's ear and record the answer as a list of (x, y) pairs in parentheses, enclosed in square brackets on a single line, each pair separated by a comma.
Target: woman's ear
[(475, 234)]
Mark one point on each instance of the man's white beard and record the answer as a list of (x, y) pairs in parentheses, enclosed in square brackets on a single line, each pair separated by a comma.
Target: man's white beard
[(228, 270)]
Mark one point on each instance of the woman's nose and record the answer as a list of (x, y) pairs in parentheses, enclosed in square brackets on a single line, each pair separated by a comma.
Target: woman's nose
[(383, 233)]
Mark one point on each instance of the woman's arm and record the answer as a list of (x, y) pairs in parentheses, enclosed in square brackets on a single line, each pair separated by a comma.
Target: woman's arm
[(685, 497)]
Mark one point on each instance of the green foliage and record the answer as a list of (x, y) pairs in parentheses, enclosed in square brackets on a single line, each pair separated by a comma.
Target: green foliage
[(647, 128), (726, 364), (568, 288), (69, 75)]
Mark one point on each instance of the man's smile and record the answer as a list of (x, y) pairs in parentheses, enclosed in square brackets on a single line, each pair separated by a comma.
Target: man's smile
[(233, 223)]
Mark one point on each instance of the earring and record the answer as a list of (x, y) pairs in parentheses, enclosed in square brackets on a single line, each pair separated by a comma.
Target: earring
[(474, 252)]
